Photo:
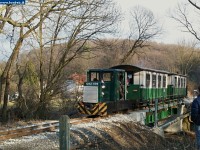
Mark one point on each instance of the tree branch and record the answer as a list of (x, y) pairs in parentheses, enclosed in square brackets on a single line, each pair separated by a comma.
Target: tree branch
[(194, 4)]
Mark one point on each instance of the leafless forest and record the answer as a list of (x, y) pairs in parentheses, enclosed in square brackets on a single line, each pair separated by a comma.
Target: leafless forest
[(52, 40)]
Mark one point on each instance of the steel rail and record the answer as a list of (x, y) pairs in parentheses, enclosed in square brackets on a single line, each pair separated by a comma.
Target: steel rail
[(39, 128)]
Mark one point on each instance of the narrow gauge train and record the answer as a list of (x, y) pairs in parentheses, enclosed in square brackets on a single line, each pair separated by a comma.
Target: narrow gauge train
[(125, 87)]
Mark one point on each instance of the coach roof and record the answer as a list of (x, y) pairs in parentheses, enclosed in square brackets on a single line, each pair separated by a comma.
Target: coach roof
[(137, 69)]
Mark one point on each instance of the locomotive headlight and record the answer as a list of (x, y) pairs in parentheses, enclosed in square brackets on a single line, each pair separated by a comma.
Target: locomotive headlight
[(103, 84), (102, 93)]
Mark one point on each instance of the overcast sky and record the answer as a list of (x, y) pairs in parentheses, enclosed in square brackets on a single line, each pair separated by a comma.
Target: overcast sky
[(161, 8), (171, 30)]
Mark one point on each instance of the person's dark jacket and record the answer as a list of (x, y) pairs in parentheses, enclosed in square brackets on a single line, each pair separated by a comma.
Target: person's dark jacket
[(195, 110)]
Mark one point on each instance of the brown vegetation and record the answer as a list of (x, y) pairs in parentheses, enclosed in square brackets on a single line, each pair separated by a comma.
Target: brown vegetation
[(106, 53)]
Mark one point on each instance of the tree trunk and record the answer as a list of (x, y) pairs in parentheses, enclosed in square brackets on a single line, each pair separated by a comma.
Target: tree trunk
[(6, 94), (2, 88), (21, 102), (5, 77)]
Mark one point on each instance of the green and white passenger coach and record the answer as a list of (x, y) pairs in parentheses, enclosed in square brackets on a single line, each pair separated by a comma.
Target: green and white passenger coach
[(125, 87)]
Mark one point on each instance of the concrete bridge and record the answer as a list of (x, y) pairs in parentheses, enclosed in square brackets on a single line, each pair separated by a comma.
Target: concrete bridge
[(177, 123)]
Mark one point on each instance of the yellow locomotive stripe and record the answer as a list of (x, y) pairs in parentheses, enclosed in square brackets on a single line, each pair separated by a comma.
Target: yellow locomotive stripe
[(95, 107), (97, 110), (83, 109), (104, 110)]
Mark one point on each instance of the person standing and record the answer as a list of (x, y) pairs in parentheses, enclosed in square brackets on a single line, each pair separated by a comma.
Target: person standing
[(195, 117)]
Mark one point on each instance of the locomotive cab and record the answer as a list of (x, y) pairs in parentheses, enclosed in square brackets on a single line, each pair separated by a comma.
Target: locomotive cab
[(103, 86)]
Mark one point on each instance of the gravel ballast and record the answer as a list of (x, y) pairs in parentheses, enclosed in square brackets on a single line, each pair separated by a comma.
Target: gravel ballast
[(118, 132)]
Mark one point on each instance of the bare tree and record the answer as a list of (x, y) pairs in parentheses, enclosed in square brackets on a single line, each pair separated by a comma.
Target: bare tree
[(184, 15), (143, 28), (85, 22), (62, 37), (21, 28), (5, 13), (187, 57)]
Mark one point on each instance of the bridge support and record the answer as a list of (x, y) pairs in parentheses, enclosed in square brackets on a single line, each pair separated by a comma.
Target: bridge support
[(175, 125)]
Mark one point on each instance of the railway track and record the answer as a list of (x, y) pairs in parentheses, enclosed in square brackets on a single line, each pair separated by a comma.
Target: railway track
[(42, 127), (39, 128)]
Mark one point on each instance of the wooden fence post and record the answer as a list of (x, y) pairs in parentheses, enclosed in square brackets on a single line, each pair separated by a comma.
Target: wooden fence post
[(64, 132)]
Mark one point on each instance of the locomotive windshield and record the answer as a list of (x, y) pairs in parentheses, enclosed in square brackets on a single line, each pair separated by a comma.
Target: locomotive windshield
[(94, 76), (106, 76), (100, 76)]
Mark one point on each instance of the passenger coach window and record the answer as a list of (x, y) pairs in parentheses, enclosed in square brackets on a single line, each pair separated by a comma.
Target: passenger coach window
[(159, 81), (153, 80), (182, 83), (107, 76), (164, 81), (147, 80), (94, 76), (175, 80), (136, 78)]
